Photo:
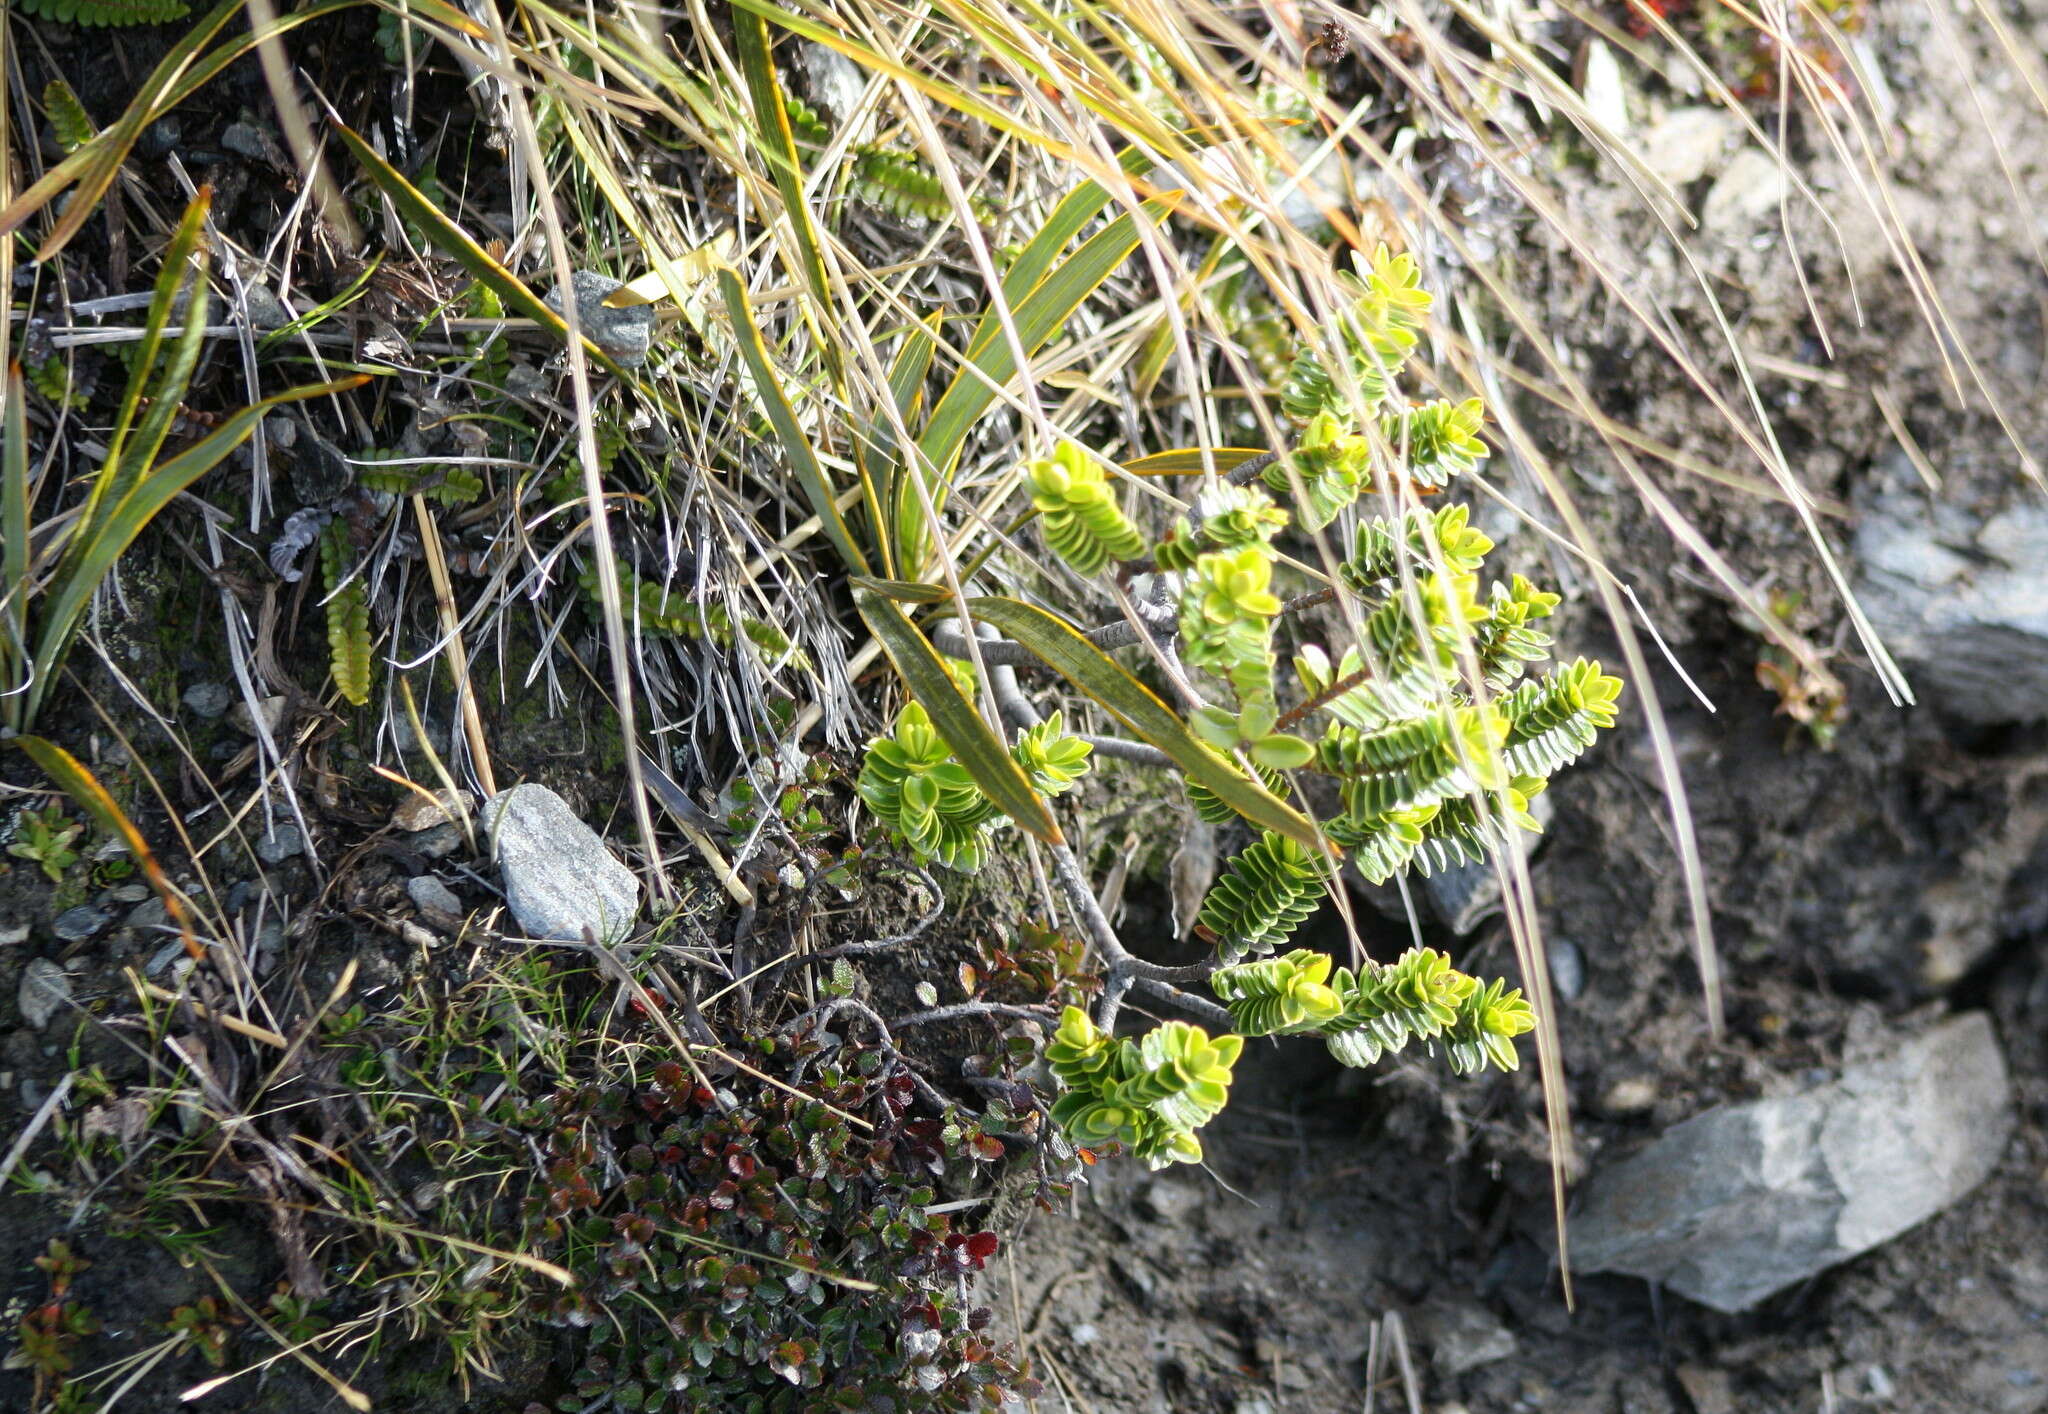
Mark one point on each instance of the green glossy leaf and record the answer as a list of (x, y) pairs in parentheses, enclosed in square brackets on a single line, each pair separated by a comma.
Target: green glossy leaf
[(810, 473), (1138, 708), (975, 745)]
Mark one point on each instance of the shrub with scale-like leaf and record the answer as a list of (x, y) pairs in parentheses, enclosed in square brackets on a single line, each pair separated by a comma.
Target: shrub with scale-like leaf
[(1078, 512), (1150, 1096)]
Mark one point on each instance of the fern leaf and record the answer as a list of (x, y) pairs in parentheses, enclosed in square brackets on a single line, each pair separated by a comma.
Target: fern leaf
[(805, 125), (107, 12), (1263, 896), (899, 184), (70, 124), (348, 616)]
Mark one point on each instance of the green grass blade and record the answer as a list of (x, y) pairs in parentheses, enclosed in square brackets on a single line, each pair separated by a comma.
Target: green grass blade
[(1076, 209), (810, 473), (974, 744), (14, 530), (92, 797), (1044, 312), (1138, 708), (778, 144), (89, 560), (184, 269)]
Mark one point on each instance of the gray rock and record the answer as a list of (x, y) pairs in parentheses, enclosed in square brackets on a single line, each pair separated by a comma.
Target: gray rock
[(1567, 968), (428, 892), (1744, 1201), (280, 842), (437, 843), (76, 925), (272, 715), (625, 334), (559, 877), (209, 700), (148, 914), (44, 989), (12, 933), (1964, 608), (1462, 1337), (126, 893)]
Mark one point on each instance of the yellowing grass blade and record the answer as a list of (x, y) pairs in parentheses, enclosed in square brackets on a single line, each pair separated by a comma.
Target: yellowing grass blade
[(974, 743), (1137, 707), (674, 279), (1187, 461)]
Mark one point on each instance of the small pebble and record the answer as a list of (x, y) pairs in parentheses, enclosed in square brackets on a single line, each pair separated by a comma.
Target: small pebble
[(44, 989), (437, 843), (1628, 1097), (150, 913), (76, 925), (12, 933), (209, 700), (280, 842), (417, 812), (1567, 968), (625, 334), (272, 709), (126, 893), (427, 892)]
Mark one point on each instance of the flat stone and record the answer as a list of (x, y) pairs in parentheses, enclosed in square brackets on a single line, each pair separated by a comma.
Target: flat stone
[(419, 812), (625, 334), (559, 878), (1962, 607), (76, 925), (44, 989), (150, 913), (280, 842), (12, 932), (438, 842), (1743, 1201), (209, 700), (430, 893), (1462, 1337), (270, 708)]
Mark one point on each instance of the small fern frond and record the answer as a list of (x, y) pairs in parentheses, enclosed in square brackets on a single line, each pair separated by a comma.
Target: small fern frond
[(348, 616), (449, 485), (107, 12), (1263, 896), (1078, 512), (900, 184), (70, 124), (805, 125), (1278, 995)]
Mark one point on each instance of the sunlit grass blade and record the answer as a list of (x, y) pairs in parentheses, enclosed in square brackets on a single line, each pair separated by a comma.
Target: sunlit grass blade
[(803, 459), (80, 784), (975, 745), (14, 533), (1137, 707)]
